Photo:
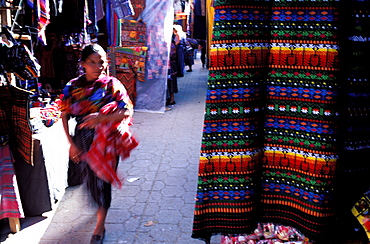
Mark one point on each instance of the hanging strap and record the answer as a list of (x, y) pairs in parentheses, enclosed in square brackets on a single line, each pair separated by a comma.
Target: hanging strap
[(16, 14)]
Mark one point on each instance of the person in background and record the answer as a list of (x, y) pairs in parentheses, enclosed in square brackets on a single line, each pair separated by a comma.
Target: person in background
[(180, 41), (103, 110), (191, 45), (172, 75), (203, 52), (48, 88)]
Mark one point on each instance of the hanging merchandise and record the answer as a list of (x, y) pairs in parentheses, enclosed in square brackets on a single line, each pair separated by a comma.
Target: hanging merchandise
[(151, 94), (17, 58), (14, 107), (71, 20), (113, 25), (116, 11), (22, 62), (286, 125), (42, 9), (123, 8), (133, 33), (130, 59), (128, 65)]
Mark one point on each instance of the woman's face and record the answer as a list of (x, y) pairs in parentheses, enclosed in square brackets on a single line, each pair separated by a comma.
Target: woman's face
[(94, 65)]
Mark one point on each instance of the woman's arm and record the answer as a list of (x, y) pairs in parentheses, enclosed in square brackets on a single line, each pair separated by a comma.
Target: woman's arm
[(65, 118), (74, 152), (115, 117), (91, 120)]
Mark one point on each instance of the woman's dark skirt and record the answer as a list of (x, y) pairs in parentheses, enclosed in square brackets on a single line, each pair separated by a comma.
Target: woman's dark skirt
[(81, 172)]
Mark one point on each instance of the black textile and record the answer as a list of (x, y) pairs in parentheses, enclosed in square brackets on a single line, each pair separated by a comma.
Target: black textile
[(32, 183), (71, 20), (172, 72), (200, 27)]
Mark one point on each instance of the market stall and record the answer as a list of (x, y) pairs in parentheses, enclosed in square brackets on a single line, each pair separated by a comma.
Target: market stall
[(33, 145), (49, 37), (34, 170)]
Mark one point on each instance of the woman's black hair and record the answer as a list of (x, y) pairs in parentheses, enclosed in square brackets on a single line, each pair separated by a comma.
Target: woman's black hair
[(90, 49)]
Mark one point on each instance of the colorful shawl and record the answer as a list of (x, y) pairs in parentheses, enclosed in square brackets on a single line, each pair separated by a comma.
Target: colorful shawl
[(112, 139), (81, 98)]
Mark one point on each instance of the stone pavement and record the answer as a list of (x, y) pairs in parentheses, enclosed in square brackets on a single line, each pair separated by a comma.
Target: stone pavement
[(156, 203)]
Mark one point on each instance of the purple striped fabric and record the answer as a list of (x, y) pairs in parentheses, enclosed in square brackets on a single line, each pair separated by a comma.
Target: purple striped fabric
[(10, 204)]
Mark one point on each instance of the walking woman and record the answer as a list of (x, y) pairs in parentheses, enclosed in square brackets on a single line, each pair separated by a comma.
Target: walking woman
[(102, 108), (180, 41), (172, 87)]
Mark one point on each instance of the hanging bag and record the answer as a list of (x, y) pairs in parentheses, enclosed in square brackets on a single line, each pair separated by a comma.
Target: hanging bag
[(192, 42)]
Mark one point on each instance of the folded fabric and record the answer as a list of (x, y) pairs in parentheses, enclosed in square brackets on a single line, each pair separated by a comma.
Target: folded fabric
[(112, 139)]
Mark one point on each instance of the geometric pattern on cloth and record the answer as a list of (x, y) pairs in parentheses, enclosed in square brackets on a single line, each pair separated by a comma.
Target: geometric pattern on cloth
[(129, 59), (281, 110), (133, 33), (129, 81)]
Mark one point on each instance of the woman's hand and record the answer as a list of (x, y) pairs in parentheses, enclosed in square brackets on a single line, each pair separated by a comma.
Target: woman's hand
[(74, 154), (90, 121)]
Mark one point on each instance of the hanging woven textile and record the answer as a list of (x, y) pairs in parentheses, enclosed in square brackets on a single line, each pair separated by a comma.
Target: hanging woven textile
[(42, 14), (286, 126)]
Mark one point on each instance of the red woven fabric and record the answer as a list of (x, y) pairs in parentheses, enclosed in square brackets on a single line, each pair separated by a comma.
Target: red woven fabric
[(112, 139)]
